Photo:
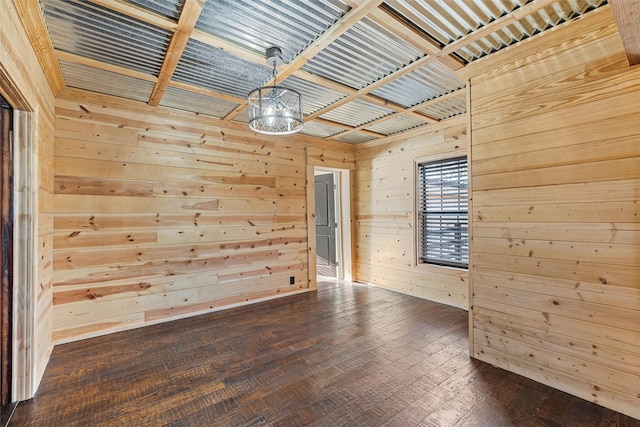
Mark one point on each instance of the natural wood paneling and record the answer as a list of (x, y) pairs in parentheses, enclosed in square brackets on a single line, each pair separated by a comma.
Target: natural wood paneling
[(385, 215), (27, 88), (161, 214), (46, 206), (556, 246)]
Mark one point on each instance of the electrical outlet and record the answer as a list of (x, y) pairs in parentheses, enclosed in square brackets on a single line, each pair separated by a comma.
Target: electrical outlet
[(292, 280)]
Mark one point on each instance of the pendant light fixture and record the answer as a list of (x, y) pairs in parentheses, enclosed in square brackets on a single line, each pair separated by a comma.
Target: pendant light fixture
[(275, 110)]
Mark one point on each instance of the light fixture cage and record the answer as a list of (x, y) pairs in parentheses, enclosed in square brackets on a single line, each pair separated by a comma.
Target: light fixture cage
[(275, 110)]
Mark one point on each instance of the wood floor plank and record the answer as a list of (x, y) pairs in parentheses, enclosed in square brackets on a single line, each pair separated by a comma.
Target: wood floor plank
[(346, 355)]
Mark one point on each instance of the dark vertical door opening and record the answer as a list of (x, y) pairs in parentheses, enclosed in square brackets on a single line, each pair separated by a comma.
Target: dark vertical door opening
[(6, 252), (325, 225)]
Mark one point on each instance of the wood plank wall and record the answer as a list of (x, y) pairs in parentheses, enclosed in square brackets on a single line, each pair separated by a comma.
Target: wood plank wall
[(161, 214), (385, 197), (44, 301), (556, 179), (25, 86)]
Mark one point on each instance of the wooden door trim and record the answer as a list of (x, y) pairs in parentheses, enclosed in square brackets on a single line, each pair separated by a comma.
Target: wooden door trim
[(347, 212), (25, 373), (25, 273), (311, 225)]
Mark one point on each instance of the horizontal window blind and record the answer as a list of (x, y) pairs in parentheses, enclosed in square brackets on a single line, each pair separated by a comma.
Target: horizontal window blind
[(443, 236)]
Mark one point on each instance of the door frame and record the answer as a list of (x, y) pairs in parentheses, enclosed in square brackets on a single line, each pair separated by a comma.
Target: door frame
[(337, 241), (344, 249), (6, 301), (25, 378)]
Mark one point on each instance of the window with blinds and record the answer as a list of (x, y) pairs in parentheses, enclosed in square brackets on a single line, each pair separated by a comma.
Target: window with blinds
[(442, 206)]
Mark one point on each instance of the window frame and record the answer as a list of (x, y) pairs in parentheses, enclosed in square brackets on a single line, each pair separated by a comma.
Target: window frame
[(419, 259)]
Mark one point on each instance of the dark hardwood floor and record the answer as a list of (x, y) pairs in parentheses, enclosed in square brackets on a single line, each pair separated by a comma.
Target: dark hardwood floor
[(348, 355)]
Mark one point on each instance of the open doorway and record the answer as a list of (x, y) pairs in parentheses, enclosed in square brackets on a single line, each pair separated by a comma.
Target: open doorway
[(332, 223), (327, 231), (6, 257)]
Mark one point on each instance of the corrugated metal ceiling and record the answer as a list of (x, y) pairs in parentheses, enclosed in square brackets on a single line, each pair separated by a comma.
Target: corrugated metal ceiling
[(362, 55), (321, 129), (196, 102), (450, 107), (95, 32), (211, 68), (356, 113), (82, 76), (257, 25), (315, 96), (168, 8), (425, 83), (361, 79), (397, 124)]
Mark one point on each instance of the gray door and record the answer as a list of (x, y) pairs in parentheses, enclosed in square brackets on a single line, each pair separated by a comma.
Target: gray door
[(325, 225)]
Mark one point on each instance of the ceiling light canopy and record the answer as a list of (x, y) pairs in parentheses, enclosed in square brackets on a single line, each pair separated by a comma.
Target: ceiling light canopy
[(275, 110)]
